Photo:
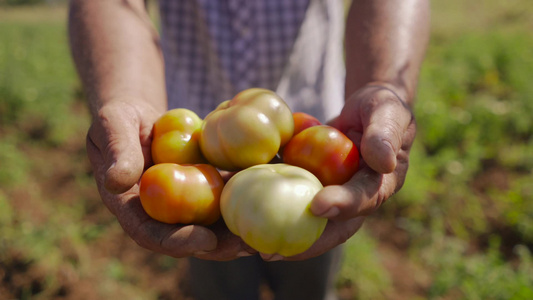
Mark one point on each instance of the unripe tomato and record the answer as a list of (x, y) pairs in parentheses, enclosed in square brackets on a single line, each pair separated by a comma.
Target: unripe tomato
[(246, 130), (268, 207), (303, 120), (186, 194), (175, 138), (324, 151)]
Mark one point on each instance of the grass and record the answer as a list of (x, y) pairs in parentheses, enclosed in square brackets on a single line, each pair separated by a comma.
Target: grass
[(462, 225)]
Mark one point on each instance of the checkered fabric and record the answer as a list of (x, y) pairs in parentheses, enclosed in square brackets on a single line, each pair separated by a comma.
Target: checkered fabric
[(216, 48)]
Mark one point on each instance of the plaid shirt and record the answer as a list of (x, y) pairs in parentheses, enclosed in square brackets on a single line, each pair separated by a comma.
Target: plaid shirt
[(215, 48)]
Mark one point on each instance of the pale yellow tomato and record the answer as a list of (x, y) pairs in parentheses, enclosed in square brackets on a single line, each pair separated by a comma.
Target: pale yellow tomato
[(247, 130), (268, 207)]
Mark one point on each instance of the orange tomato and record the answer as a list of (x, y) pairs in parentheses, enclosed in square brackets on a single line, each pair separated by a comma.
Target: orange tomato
[(175, 138), (303, 120), (186, 194)]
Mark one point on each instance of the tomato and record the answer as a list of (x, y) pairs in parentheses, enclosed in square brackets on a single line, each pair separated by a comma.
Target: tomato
[(324, 151), (303, 120), (186, 194), (175, 138), (246, 130), (268, 207)]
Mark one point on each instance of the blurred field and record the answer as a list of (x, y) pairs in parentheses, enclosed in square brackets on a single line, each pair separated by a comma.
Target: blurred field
[(461, 228)]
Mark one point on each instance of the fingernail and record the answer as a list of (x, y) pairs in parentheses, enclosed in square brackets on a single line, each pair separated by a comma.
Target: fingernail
[(330, 213), (271, 257), (392, 154), (201, 252), (244, 254), (110, 168), (388, 144)]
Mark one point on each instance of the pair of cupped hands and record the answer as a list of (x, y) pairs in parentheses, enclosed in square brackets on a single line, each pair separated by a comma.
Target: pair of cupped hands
[(375, 118)]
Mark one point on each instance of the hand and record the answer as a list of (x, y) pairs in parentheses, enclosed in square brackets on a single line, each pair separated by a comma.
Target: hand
[(118, 146), (382, 126)]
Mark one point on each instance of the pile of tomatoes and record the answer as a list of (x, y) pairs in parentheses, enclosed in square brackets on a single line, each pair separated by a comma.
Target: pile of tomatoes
[(265, 203)]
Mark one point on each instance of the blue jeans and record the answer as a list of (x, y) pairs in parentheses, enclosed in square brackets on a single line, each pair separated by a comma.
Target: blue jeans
[(240, 279)]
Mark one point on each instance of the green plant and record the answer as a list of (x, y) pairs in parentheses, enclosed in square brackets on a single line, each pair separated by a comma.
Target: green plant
[(480, 275), (362, 269)]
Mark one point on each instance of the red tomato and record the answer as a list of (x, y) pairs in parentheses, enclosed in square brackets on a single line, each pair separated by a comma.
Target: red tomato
[(324, 151), (303, 121), (186, 194)]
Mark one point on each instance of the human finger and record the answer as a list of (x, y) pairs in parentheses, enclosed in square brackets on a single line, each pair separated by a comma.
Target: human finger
[(119, 141), (385, 120), (335, 234)]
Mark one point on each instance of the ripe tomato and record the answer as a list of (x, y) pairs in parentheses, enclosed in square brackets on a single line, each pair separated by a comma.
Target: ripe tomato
[(186, 194), (324, 151), (303, 120), (175, 138), (246, 130), (268, 207)]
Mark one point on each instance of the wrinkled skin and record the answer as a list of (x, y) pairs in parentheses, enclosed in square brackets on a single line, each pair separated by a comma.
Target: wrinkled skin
[(383, 127), (118, 146), (375, 118)]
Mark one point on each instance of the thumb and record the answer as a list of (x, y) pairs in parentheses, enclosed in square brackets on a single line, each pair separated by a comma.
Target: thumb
[(384, 131), (116, 135), (360, 196)]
